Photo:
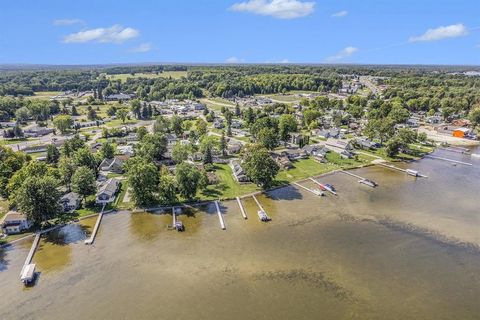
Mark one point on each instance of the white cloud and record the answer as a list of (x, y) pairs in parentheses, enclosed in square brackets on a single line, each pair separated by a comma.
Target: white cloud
[(345, 53), (282, 9), (340, 14), (114, 34), (67, 22), (143, 47), (443, 32), (234, 60), (284, 61)]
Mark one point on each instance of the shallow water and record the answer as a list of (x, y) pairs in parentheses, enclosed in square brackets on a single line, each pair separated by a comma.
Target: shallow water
[(407, 249)]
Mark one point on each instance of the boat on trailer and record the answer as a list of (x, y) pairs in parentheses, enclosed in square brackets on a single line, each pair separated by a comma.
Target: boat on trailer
[(330, 187), (28, 274), (262, 215), (369, 183)]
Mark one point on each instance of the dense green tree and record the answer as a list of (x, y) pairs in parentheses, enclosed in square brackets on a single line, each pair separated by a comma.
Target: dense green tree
[(188, 178), (22, 114), (180, 152), (63, 123), (167, 189), (85, 158), (141, 132), (83, 182), (201, 127), (53, 154), (268, 138), (152, 146), (286, 126), (107, 151), (176, 125), (143, 180), (38, 198), (122, 114), (259, 166), (474, 116), (66, 169), (10, 162)]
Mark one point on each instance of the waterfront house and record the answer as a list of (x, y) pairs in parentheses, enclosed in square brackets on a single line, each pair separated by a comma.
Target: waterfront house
[(171, 138), (283, 162), (106, 192), (114, 165), (70, 201), (14, 222), (238, 172)]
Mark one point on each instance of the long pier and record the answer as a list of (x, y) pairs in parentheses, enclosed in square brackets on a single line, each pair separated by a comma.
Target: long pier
[(32, 251), (244, 214), (220, 216), (260, 207), (448, 160), (324, 186), (90, 240), (362, 180), (389, 166), (315, 192), (174, 217)]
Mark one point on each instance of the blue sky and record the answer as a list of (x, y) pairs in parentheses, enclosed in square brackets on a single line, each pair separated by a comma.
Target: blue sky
[(249, 31)]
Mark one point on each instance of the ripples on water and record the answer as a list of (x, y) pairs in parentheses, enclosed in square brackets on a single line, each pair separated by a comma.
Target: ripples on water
[(405, 250)]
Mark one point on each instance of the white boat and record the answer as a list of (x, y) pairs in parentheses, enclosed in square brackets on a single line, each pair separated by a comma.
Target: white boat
[(263, 216), (476, 155), (369, 183), (412, 172), (28, 274)]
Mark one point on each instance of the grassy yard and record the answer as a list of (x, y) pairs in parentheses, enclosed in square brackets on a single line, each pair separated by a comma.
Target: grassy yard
[(45, 95), (167, 74), (228, 187)]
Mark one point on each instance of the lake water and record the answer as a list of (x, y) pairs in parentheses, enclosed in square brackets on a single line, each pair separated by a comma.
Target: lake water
[(408, 249)]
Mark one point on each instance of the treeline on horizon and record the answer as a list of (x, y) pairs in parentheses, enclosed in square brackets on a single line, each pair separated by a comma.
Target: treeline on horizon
[(419, 87)]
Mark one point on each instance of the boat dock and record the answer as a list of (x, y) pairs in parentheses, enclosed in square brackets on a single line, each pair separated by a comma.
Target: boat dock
[(262, 214), (448, 160), (315, 192), (220, 216), (244, 214), (90, 240), (362, 180), (324, 187), (457, 150), (407, 171), (29, 258)]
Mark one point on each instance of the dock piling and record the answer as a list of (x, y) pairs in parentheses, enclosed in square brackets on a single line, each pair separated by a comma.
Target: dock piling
[(244, 214), (90, 240), (220, 217), (34, 246)]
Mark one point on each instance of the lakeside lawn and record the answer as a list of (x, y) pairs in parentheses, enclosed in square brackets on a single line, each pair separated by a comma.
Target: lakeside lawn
[(229, 188)]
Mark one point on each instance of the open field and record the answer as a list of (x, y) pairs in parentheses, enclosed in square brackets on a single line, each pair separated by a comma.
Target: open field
[(45, 95), (167, 74)]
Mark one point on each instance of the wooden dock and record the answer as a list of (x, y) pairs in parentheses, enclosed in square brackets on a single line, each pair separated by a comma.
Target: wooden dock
[(324, 186), (448, 160), (407, 171), (29, 258), (362, 180), (90, 240), (261, 207), (220, 216), (315, 192), (174, 217), (244, 214)]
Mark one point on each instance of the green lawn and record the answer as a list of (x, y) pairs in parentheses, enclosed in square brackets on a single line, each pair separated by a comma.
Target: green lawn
[(13, 141), (45, 95), (228, 187)]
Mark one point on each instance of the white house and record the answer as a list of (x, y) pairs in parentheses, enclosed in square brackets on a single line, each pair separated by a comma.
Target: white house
[(14, 222), (106, 192)]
